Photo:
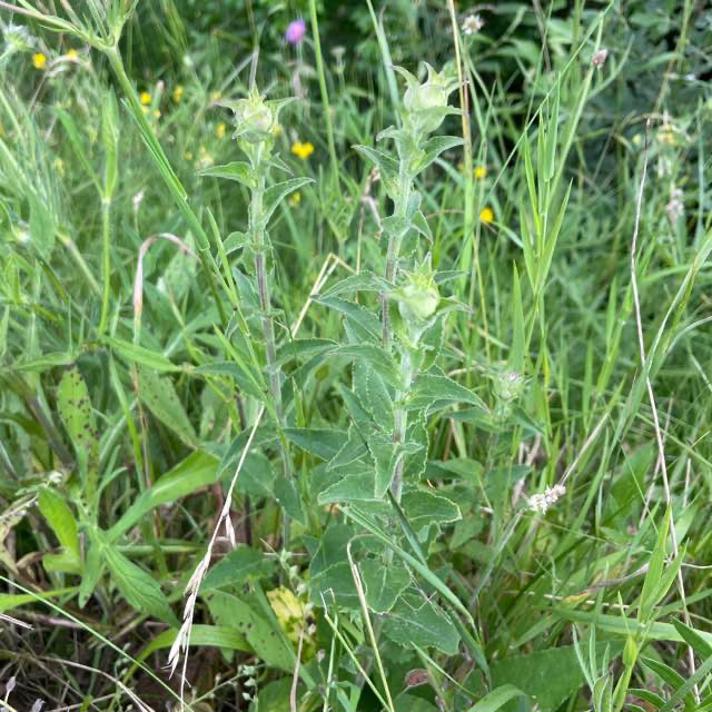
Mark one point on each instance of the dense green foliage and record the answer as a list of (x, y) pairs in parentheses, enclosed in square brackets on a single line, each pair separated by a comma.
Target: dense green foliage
[(364, 370)]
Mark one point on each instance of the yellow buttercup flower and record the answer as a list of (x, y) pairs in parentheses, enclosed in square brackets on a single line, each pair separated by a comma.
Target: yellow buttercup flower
[(221, 130), (295, 198), (39, 60), (145, 98), (480, 172), (302, 150), (72, 54), (486, 215), (178, 93)]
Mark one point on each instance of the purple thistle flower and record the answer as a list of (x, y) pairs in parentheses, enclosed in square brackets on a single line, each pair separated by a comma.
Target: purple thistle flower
[(295, 32)]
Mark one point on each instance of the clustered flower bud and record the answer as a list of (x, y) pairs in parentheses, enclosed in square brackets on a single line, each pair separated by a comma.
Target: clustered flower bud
[(254, 119), (426, 103), (418, 298), (541, 503)]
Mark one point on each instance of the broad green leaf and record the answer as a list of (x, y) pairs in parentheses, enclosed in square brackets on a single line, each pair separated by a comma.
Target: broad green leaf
[(432, 148), (434, 390), (496, 699), (141, 356), (424, 509), (241, 565), (287, 496), (140, 590), (276, 193), (548, 677), (261, 635), (93, 568), (358, 486), (42, 225), (201, 636), (373, 395), (9, 601), (694, 639), (75, 410), (248, 379), (159, 396), (415, 621), (364, 322), (197, 470), (239, 171), (320, 442), (650, 593), (257, 476), (60, 518), (383, 583), (353, 449), (387, 167)]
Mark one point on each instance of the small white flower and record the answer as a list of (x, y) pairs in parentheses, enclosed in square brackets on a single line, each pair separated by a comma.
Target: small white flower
[(599, 58), (541, 503), (675, 209), (472, 24)]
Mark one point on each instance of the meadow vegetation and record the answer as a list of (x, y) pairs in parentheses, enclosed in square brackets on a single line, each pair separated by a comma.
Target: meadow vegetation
[(355, 356)]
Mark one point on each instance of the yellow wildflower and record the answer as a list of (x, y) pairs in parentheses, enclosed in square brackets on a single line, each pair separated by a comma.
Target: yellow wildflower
[(215, 96), (486, 215), (289, 611), (295, 199), (220, 130), (480, 172), (666, 135), (145, 98), (72, 54), (178, 93), (302, 150), (39, 60)]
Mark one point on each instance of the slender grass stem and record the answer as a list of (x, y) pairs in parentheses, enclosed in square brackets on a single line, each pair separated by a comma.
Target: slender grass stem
[(326, 106), (105, 262)]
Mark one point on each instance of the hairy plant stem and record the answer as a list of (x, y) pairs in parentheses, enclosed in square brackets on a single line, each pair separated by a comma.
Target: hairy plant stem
[(395, 241), (400, 420), (257, 231)]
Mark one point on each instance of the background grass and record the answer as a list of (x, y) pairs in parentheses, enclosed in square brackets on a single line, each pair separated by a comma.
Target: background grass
[(600, 603)]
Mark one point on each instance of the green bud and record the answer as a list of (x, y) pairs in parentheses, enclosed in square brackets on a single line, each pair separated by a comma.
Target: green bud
[(630, 652), (426, 103), (255, 121), (418, 299)]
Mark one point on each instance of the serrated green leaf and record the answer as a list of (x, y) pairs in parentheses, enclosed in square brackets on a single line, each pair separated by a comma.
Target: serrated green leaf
[(140, 590), (317, 441), (434, 390), (239, 171), (276, 193)]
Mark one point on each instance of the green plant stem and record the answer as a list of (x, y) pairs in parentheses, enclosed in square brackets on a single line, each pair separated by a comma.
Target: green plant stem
[(400, 421), (257, 231), (321, 73), (106, 261), (395, 241)]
